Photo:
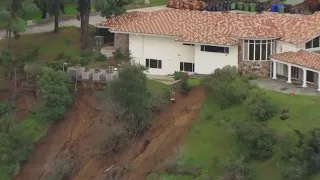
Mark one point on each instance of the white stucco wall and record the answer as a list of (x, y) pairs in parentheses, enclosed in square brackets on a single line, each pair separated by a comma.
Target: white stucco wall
[(172, 53), (285, 47), (207, 62), (162, 48)]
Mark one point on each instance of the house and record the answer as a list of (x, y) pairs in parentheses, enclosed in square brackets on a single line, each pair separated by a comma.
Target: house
[(267, 44)]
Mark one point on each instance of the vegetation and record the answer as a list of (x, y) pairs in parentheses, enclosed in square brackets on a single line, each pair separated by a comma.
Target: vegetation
[(267, 148), (17, 139), (227, 87)]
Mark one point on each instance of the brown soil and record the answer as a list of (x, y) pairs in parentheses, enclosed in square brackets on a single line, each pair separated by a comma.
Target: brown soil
[(81, 130)]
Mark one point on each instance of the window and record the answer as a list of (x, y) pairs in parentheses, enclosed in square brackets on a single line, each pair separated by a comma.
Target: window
[(310, 76), (313, 43), (186, 44), (185, 66), (153, 63), (294, 72), (216, 49), (258, 50)]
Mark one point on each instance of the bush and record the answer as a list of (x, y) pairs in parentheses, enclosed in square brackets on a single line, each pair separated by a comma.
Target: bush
[(238, 170), (260, 143), (56, 89), (260, 107), (84, 61), (131, 97), (185, 87), (178, 75), (227, 86), (100, 57), (302, 157)]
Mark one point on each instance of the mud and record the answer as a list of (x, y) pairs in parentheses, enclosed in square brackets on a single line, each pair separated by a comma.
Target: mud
[(80, 135)]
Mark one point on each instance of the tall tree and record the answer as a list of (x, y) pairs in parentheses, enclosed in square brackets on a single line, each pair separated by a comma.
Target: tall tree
[(10, 12), (84, 7), (107, 8), (56, 15)]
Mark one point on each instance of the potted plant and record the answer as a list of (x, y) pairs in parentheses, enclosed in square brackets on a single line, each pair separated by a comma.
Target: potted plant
[(233, 5), (240, 5), (246, 6), (253, 5)]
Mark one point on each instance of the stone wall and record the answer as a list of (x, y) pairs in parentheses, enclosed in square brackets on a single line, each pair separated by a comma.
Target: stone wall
[(121, 41), (257, 68)]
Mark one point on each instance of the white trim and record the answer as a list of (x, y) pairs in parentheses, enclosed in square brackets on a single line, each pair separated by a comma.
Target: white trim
[(198, 43), (102, 27), (248, 38), (318, 82), (274, 75), (268, 43), (289, 74), (299, 66), (143, 34), (304, 78), (313, 49)]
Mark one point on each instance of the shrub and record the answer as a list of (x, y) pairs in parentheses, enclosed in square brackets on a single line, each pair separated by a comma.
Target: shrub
[(28, 56), (131, 98), (227, 87), (302, 157), (100, 57), (238, 170), (185, 87), (260, 107), (178, 75), (56, 89), (122, 56), (84, 61), (260, 143)]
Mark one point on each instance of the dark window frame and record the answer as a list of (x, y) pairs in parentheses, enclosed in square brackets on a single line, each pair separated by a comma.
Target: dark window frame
[(182, 66), (186, 44), (149, 63), (214, 49), (314, 43)]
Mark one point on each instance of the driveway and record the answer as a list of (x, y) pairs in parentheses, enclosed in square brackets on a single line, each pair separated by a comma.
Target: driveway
[(74, 22)]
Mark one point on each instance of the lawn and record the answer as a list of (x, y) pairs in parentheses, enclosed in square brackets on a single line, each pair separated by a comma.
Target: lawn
[(157, 87), (212, 137), (50, 44)]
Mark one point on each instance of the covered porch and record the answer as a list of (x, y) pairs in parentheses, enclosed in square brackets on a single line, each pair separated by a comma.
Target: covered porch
[(301, 68)]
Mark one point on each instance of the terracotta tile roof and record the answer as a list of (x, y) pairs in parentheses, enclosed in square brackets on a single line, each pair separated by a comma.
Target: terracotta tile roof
[(302, 58), (221, 28), (122, 19)]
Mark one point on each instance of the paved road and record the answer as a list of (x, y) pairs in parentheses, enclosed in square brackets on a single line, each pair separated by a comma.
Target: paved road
[(74, 22)]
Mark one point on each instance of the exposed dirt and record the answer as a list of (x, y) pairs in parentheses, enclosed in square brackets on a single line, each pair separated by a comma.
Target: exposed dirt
[(81, 130)]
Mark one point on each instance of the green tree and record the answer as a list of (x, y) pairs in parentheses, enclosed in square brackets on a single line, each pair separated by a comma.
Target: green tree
[(132, 98), (108, 8), (9, 11), (84, 8), (6, 116), (56, 88)]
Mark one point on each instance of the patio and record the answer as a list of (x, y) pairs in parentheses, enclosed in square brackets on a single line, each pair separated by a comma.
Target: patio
[(281, 85)]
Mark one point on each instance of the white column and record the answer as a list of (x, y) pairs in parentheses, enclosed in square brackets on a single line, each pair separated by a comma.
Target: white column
[(274, 70), (289, 74), (304, 79), (318, 81)]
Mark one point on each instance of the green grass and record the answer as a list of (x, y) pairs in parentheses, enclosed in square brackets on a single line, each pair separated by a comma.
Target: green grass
[(50, 44), (157, 87), (212, 135)]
